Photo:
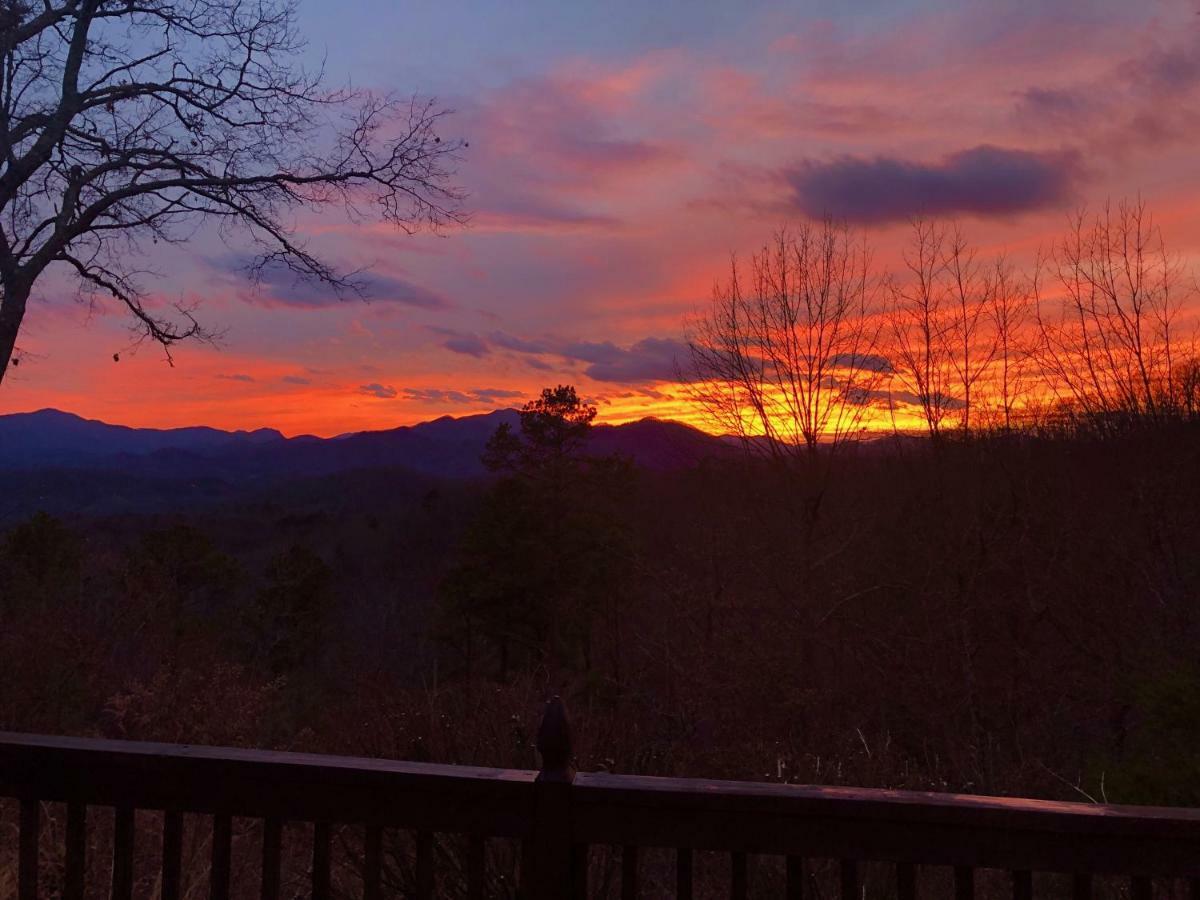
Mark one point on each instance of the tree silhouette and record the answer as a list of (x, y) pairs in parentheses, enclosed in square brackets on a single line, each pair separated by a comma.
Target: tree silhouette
[(40, 562), (920, 319), (554, 428), (545, 555), (1110, 341), (123, 123), (788, 351), (289, 616)]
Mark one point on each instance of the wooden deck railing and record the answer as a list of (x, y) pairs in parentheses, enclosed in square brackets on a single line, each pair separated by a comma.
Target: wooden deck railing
[(556, 815)]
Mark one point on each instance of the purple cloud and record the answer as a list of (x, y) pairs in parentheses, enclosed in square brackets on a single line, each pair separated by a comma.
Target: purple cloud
[(493, 394), (505, 208), (562, 131), (985, 180), (519, 345), (546, 145), (277, 285), (294, 379), (595, 352), (248, 379), (867, 362), (468, 345), (1165, 70), (474, 395), (383, 392), (650, 359), (1061, 106)]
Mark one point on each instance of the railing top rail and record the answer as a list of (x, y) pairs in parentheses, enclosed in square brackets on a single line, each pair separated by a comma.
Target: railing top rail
[(911, 805), (44, 758), (904, 826), (267, 784), (20, 745)]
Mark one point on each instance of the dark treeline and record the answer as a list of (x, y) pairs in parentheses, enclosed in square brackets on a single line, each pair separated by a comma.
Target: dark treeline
[(1012, 613)]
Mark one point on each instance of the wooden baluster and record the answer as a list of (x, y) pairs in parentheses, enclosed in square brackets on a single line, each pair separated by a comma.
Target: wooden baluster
[(27, 850), (849, 879), (424, 865), (122, 866), (172, 855), (272, 850), (964, 883), (373, 863), (795, 878), (738, 876), (476, 867), (906, 881), (1022, 884), (1141, 888), (629, 872), (579, 871), (683, 873), (1081, 886), (76, 851), (222, 849), (322, 838)]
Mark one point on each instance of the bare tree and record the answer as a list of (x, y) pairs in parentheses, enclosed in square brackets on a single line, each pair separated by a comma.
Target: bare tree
[(971, 343), (786, 354), (1187, 388), (127, 121), (920, 322), (1109, 341), (1009, 307)]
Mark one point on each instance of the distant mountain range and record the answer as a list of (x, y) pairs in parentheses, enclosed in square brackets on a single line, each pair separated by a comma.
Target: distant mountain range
[(50, 437), (443, 448)]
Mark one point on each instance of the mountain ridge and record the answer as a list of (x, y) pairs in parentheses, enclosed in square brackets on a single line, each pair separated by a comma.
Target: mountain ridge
[(443, 447)]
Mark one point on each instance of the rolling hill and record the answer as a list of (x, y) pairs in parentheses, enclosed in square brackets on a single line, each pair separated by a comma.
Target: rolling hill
[(446, 447)]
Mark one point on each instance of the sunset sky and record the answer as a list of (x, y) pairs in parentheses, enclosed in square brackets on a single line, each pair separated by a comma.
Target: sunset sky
[(619, 153)]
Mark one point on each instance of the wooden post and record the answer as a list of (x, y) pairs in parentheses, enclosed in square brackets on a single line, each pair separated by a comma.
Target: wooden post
[(546, 870)]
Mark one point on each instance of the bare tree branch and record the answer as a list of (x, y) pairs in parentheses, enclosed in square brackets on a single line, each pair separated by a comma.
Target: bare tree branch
[(123, 121), (1109, 345), (787, 357)]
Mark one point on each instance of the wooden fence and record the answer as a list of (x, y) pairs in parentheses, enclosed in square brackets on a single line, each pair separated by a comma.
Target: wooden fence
[(557, 815)]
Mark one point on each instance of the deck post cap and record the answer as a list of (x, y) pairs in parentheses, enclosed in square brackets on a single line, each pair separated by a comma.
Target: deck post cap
[(554, 743)]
